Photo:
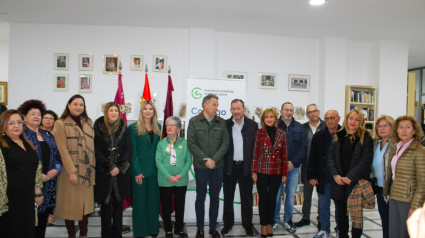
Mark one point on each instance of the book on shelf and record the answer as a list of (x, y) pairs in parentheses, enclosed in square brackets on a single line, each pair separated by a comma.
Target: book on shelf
[(361, 96)]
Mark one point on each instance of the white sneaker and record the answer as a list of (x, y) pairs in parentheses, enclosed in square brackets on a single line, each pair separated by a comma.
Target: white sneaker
[(322, 234)]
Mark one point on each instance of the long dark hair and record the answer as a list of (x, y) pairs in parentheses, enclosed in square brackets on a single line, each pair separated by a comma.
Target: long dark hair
[(117, 123), (66, 112)]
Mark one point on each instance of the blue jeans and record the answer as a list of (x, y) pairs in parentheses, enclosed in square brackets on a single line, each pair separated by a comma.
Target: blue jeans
[(213, 178), (291, 186), (325, 208)]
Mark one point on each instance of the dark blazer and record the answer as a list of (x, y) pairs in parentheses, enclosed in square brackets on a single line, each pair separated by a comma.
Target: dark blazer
[(318, 158), (295, 139), (112, 151), (249, 129), (361, 162), (268, 158)]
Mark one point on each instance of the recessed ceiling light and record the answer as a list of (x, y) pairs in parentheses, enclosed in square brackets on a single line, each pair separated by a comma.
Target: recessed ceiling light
[(317, 2)]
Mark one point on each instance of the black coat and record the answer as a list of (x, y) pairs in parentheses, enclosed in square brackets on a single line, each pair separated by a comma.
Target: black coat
[(21, 168), (361, 162), (317, 161), (111, 154), (249, 129)]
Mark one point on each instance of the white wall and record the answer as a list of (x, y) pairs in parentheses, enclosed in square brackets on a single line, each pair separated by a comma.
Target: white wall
[(36, 43), (4, 51), (271, 54), (331, 62)]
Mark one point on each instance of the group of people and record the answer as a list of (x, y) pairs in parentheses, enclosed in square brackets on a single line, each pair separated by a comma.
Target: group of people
[(62, 166)]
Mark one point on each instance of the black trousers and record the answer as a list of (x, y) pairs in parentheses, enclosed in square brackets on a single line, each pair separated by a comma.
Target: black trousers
[(267, 187), (342, 222), (245, 191), (111, 218), (167, 196), (40, 230)]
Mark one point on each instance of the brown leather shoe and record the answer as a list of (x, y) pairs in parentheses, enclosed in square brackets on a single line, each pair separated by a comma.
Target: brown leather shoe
[(200, 234), (269, 230), (214, 233), (125, 229)]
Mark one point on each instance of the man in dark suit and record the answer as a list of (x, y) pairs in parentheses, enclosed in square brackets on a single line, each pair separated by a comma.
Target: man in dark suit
[(237, 167), (317, 169)]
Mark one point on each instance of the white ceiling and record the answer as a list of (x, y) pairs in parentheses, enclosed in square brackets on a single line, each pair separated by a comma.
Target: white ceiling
[(402, 20)]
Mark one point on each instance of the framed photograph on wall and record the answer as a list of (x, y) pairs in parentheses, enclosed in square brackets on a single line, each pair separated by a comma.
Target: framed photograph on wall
[(110, 64), (61, 61), (235, 75), (267, 80), (3, 93), (136, 63), (60, 82), (160, 63), (85, 62), (298, 82), (85, 83)]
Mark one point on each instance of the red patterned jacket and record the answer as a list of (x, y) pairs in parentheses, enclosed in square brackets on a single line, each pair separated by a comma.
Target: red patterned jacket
[(270, 159)]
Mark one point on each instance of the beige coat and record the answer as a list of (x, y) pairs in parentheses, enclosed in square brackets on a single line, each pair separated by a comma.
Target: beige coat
[(76, 148)]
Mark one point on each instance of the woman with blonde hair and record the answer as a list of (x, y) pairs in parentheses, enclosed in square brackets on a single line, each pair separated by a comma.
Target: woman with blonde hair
[(74, 138), (349, 163), (269, 167), (405, 178), (382, 143), (145, 135), (113, 154)]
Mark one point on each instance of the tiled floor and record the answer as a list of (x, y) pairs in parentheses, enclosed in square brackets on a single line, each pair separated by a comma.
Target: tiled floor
[(372, 226)]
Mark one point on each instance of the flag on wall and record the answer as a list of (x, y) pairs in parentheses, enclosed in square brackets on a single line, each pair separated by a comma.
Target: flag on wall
[(168, 105), (146, 90), (119, 98)]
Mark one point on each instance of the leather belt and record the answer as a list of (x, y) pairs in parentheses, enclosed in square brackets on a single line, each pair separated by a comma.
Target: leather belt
[(238, 161)]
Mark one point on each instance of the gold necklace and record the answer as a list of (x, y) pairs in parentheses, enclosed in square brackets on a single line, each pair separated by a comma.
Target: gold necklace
[(19, 142)]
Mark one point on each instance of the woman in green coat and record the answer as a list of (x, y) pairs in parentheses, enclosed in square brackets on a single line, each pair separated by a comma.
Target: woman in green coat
[(145, 135), (173, 160)]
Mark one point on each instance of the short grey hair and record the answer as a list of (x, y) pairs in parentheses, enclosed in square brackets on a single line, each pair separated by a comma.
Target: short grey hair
[(312, 104), (281, 108), (176, 120), (207, 99)]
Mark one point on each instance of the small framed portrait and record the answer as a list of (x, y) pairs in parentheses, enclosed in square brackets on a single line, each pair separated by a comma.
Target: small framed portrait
[(60, 82), (267, 80), (160, 63), (111, 64), (3, 93), (299, 82), (136, 63), (85, 83), (61, 61), (235, 75), (85, 62)]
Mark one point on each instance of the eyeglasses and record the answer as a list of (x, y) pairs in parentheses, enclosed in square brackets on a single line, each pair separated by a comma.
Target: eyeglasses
[(288, 110), (383, 126), (330, 118), (35, 114), (171, 125), (12, 123), (311, 112)]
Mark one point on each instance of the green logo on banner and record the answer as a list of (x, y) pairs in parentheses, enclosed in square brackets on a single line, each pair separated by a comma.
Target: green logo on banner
[(196, 93)]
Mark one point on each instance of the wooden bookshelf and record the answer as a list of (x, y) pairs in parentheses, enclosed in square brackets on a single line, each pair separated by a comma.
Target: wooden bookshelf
[(364, 98)]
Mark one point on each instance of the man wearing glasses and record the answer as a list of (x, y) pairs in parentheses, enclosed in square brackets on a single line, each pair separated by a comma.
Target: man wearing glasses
[(317, 169), (296, 143), (314, 125)]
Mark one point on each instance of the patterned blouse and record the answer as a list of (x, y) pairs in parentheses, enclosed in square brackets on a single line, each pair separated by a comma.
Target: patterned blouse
[(3, 186)]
